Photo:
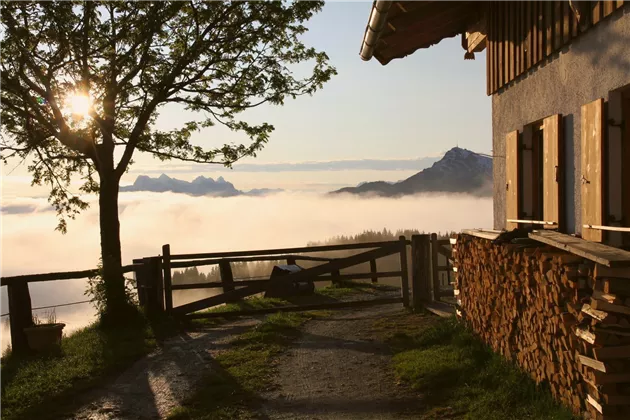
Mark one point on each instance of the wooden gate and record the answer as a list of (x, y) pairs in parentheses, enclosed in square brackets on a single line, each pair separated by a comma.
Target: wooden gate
[(329, 269)]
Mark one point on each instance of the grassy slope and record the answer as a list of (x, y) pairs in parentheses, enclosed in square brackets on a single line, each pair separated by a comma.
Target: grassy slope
[(39, 387), (460, 376)]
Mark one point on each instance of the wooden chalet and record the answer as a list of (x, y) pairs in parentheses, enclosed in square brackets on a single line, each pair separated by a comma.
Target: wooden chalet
[(559, 76)]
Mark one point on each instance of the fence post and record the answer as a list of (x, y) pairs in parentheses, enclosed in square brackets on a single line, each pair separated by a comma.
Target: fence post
[(373, 271), (404, 276), (140, 273), (434, 267), (20, 315), (291, 261), (335, 277), (166, 268), (227, 278), (419, 268)]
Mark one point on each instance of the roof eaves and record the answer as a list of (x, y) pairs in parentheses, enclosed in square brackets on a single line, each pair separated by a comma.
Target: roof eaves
[(376, 24)]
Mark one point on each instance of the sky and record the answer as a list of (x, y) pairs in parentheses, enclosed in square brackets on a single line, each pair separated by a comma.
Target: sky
[(396, 115), (414, 107)]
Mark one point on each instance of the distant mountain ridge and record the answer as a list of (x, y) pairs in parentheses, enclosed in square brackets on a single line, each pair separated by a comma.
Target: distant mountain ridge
[(200, 186), (459, 171)]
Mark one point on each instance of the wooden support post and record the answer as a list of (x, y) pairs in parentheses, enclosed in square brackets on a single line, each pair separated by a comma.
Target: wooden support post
[(373, 271), (154, 284), (20, 316), (434, 267), (227, 278), (166, 266), (420, 258), (404, 275), (140, 277), (291, 261), (335, 276)]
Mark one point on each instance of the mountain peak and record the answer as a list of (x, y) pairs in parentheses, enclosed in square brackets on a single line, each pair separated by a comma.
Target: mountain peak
[(459, 171)]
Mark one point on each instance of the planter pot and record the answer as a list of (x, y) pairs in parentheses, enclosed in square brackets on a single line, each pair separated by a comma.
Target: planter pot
[(44, 337)]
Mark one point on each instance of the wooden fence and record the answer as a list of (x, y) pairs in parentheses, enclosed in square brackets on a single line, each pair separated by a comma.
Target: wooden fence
[(155, 288)]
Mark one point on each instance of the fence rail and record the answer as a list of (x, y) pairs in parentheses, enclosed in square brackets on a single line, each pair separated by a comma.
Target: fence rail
[(155, 288)]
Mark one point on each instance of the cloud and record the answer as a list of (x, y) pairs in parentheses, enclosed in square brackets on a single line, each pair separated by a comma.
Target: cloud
[(204, 224), (314, 166)]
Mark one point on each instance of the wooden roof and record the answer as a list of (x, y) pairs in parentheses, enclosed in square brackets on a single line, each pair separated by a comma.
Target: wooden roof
[(412, 25)]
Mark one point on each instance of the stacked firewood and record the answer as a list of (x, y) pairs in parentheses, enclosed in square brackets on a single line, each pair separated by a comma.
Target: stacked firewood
[(561, 318)]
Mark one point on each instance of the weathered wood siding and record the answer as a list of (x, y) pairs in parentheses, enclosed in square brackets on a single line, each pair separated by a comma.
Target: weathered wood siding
[(522, 34)]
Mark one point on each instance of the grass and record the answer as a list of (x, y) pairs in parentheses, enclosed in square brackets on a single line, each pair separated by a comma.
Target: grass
[(460, 376), (43, 386), (230, 390)]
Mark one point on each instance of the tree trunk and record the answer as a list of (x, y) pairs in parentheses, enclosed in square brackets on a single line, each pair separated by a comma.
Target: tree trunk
[(117, 305)]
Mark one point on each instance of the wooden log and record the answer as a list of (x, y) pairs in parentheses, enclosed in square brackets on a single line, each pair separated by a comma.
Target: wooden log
[(612, 353), (608, 307), (227, 278)]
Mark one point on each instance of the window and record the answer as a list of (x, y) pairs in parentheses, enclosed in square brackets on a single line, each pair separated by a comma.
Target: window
[(605, 172), (534, 175)]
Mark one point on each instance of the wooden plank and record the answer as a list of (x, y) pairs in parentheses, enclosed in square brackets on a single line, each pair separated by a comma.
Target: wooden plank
[(540, 27), (548, 19), (219, 299), (609, 307), (529, 24), (592, 163), (566, 25), (497, 45), (482, 233), (511, 22), (322, 278), (512, 159), (216, 261), (611, 378), (435, 274), (558, 20), (280, 251), (64, 275), (440, 309), (597, 12), (500, 6), (404, 268), (608, 7), (602, 254), (297, 308), (553, 171), (489, 54), (166, 268), (522, 33), (612, 353), (592, 363)]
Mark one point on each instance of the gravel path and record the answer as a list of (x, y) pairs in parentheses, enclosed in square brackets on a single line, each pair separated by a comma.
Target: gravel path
[(156, 384), (338, 370)]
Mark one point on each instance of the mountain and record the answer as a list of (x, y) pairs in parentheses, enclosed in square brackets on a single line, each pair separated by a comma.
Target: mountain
[(460, 170), (198, 187)]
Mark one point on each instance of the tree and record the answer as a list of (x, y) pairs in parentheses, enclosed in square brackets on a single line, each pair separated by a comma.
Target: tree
[(83, 84)]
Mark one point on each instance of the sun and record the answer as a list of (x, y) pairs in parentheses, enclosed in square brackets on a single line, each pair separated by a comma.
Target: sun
[(79, 105)]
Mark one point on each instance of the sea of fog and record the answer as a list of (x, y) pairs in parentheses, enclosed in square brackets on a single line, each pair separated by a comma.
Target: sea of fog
[(199, 224)]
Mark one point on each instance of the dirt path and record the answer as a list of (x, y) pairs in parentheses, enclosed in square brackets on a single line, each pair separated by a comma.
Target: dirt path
[(339, 370), (156, 384)]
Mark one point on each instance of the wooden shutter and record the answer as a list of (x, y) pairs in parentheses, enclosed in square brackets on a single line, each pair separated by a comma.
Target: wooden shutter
[(592, 165), (552, 170), (512, 158), (614, 154)]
